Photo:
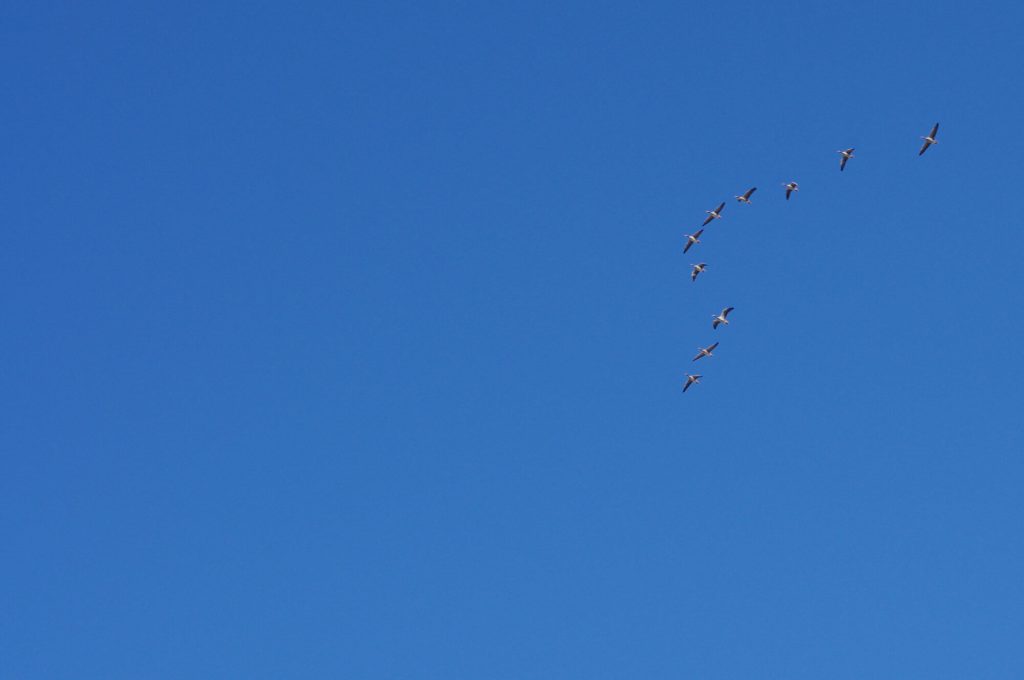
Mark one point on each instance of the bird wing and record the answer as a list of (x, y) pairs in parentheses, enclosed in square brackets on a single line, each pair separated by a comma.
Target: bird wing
[(750, 192), (842, 163), (720, 208), (934, 131), (693, 274), (709, 218), (924, 147), (699, 355), (725, 312), (692, 238), (788, 192), (711, 348), (687, 385), (714, 324)]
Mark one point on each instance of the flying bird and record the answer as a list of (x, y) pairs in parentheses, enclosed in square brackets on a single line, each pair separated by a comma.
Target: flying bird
[(705, 351), (790, 188), (745, 198), (722, 318), (692, 239), (697, 269), (846, 155), (929, 140), (690, 380), (714, 214)]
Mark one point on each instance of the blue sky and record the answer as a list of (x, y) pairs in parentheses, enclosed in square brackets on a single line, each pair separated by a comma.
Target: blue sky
[(348, 341)]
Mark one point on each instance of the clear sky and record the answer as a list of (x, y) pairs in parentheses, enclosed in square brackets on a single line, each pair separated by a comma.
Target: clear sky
[(347, 341)]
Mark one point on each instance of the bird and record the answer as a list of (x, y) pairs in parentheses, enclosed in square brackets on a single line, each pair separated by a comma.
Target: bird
[(745, 198), (714, 214), (929, 140), (705, 351), (722, 318), (790, 188), (690, 380), (846, 155), (697, 269), (692, 239)]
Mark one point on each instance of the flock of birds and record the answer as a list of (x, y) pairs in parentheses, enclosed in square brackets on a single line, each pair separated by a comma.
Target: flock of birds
[(722, 318)]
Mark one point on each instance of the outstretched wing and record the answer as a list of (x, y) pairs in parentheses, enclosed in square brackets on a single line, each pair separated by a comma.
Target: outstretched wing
[(709, 218), (934, 131), (720, 208), (842, 163), (687, 385), (692, 239), (924, 147), (750, 192), (725, 312), (788, 192), (714, 324), (711, 348)]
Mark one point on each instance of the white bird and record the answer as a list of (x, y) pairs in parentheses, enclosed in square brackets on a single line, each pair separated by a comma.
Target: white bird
[(846, 155), (697, 269), (929, 140), (690, 380), (722, 318), (714, 214), (790, 188), (692, 239), (705, 351), (745, 198)]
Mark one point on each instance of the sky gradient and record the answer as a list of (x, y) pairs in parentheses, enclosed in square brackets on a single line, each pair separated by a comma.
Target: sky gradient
[(347, 340)]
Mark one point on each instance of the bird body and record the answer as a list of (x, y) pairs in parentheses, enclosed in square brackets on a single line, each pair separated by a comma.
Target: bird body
[(745, 198), (697, 269), (845, 156), (690, 380), (721, 318), (930, 139), (693, 239), (714, 214), (705, 351), (790, 188)]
